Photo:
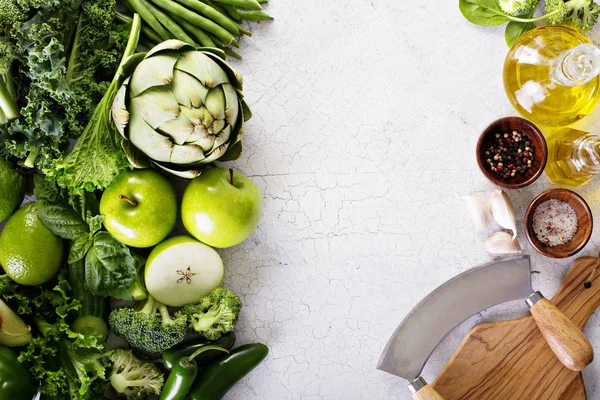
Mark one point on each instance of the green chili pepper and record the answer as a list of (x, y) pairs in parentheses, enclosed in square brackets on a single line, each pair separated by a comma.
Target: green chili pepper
[(187, 348), (183, 374), (220, 376), (17, 382)]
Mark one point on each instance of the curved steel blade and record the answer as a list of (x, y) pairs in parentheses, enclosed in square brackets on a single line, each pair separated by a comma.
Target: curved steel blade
[(446, 307)]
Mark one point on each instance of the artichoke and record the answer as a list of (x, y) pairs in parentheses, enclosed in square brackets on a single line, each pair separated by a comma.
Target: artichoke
[(182, 107)]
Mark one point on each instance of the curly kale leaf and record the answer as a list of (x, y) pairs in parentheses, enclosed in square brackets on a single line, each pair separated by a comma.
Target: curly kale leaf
[(69, 365), (68, 52)]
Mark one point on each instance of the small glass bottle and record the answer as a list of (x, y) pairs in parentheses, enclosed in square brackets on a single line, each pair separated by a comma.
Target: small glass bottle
[(573, 157)]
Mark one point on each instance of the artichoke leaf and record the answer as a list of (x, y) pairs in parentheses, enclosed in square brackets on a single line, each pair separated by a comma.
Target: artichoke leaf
[(179, 129), (136, 158), (216, 154), (247, 113), (223, 136), (232, 104), (118, 110), (189, 173), (203, 68), (186, 154), (202, 138), (148, 140), (188, 90), (215, 103), (214, 51), (153, 71), (233, 152), (235, 78), (170, 45), (156, 106)]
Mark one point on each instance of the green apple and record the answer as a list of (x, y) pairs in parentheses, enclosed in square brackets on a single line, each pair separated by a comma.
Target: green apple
[(139, 208), (221, 207), (181, 271)]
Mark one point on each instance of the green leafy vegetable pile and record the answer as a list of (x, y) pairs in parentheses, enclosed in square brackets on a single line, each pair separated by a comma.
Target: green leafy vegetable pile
[(109, 266), (61, 56), (67, 364), (519, 14)]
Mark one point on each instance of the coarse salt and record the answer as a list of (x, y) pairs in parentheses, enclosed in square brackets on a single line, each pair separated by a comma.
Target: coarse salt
[(554, 222)]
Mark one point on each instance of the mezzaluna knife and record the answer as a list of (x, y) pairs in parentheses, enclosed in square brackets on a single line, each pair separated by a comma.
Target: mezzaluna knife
[(465, 295)]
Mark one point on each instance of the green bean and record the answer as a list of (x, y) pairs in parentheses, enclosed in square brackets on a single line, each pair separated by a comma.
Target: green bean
[(174, 8), (254, 15), (249, 4), (171, 26), (231, 10), (211, 14), (198, 33), (149, 18), (263, 1), (232, 53), (147, 32), (243, 30)]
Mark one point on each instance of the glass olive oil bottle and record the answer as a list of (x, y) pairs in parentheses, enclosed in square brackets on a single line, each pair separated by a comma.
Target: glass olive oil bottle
[(551, 75), (573, 157)]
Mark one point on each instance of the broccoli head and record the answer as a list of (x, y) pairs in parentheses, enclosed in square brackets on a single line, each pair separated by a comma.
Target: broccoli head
[(517, 7), (579, 14), (151, 328), (133, 378), (214, 315)]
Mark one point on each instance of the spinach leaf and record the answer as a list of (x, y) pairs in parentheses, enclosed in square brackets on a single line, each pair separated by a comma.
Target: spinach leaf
[(80, 247), (109, 267), (86, 205), (483, 12), (515, 29), (55, 213)]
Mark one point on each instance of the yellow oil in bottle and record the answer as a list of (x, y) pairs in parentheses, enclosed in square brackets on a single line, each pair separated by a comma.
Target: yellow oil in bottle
[(573, 157), (548, 85)]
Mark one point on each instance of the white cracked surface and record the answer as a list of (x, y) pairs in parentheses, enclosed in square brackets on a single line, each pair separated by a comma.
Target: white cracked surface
[(366, 114)]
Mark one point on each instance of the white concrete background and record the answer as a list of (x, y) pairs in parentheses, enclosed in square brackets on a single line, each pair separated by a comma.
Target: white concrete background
[(366, 114)]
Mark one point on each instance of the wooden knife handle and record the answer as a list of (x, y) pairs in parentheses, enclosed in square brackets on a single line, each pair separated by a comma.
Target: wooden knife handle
[(427, 392), (565, 339)]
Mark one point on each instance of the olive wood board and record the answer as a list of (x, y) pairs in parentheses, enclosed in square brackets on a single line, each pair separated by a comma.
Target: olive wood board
[(510, 360)]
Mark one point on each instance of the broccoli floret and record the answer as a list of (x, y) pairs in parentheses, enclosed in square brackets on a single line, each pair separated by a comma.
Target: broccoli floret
[(579, 14), (133, 378), (151, 328), (214, 315), (517, 7)]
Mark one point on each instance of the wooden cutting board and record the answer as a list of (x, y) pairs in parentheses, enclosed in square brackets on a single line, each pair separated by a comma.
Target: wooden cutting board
[(510, 360)]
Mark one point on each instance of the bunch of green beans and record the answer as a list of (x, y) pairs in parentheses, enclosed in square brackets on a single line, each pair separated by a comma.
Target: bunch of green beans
[(208, 23)]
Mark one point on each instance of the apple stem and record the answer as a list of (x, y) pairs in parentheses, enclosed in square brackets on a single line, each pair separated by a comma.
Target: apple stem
[(127, 199), (231, 175)]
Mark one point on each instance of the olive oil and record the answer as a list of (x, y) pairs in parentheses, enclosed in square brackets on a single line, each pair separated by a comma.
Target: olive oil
[(573, 157), (551, 75)]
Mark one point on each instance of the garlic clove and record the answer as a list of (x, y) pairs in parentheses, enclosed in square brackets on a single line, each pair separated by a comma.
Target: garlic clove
[(479, 210), (503, 211), (502, 243)]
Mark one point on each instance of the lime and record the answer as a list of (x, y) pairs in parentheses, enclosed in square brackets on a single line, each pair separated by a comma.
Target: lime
[(29, 252), (12, 189)]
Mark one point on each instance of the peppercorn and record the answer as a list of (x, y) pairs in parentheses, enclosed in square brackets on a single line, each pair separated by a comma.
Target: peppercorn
[(510, 154)]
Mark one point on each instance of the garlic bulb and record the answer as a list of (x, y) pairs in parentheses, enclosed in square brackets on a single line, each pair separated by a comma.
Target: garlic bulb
[(503, 211), (502, 243), (479, 210)]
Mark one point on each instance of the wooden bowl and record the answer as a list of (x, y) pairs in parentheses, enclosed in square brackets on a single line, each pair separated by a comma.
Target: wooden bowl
[(509, 124), (585, 224)]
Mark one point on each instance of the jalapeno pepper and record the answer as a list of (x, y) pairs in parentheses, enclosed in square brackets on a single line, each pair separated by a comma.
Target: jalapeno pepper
[(221, 375), (185, 349), (183, 374), (15, 381)]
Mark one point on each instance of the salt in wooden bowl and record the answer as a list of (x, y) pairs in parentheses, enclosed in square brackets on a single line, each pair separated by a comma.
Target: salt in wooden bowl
[(584, 224)]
